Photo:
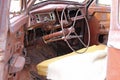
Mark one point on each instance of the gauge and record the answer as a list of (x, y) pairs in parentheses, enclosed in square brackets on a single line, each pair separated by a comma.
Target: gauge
[(45, 17)]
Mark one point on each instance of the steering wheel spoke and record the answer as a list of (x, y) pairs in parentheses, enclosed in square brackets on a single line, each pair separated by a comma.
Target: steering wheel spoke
[(72, 35), (68, 32)]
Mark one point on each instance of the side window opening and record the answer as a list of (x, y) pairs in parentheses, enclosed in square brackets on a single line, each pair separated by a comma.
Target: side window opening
[(104, 2), (15, 7)]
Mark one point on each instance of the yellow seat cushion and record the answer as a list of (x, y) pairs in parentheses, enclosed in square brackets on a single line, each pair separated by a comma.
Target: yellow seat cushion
[(43, 66)]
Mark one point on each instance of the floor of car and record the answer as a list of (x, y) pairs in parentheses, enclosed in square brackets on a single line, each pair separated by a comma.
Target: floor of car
[(36, 54)]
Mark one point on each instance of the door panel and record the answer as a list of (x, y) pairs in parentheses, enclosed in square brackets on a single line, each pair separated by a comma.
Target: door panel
[(99, 21), (18, 20), (16, 39)]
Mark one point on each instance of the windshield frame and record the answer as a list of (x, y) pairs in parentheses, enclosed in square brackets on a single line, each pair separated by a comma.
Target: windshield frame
[(41, 1), (34, 6)]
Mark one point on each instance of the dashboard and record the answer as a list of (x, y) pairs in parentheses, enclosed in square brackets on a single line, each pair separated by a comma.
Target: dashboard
[(50, 15), (44, 17), (47, 21)]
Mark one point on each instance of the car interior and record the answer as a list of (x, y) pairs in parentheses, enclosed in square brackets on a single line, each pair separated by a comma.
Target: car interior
[(44, 31)]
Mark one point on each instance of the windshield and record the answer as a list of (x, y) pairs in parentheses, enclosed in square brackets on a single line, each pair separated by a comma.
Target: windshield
[(39, 1)]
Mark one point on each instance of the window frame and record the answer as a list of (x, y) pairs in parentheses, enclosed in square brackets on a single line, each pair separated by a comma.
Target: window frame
[(118, 12), (22, 9)]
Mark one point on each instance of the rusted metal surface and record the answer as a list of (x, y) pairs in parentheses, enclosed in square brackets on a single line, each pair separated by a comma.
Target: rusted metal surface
[(59, 33), (113, 67), (99, 22), (25, 37), (4, 8), (16, 23)]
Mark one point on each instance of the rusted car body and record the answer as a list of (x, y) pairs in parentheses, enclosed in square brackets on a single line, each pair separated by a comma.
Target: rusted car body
[(51, 28)]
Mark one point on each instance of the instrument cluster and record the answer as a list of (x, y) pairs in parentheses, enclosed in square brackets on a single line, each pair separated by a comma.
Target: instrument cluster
[(44, 17), (49, 19)]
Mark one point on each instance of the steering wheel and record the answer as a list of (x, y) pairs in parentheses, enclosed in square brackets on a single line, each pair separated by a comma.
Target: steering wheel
[(72, 33)]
